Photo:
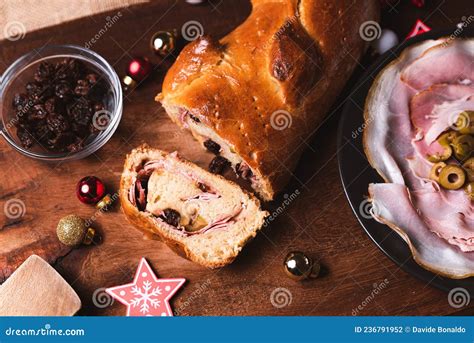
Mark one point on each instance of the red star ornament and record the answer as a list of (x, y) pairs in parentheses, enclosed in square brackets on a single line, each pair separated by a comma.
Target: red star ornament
[(419, 28), (147, 295)]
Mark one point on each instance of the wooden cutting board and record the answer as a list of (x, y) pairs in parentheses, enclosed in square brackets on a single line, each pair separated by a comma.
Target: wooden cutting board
[(36, 289), (319, 222)]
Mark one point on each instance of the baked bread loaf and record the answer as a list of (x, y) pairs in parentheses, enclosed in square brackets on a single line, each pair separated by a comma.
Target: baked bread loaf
[(200, 215), (261, 91)]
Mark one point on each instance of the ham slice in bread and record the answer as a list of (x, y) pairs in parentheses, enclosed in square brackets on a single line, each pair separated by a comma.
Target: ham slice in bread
[(411, 103), (200, 215)]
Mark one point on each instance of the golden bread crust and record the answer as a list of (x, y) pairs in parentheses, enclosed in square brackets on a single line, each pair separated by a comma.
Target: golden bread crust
[(288, 56)]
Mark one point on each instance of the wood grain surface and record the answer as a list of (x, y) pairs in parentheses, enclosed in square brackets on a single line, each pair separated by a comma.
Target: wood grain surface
[(36, 289), (319, 222)]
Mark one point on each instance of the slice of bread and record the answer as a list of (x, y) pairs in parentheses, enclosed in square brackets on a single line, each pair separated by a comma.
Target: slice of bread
[(200, 215)]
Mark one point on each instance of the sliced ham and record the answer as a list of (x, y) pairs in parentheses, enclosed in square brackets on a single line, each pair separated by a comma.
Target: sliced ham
[(444, 63), (393, 206), (411, 103), (423, 104), (435, 110)]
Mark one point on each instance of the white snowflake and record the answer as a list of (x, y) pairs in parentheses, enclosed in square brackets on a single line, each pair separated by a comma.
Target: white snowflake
[(145, 297)]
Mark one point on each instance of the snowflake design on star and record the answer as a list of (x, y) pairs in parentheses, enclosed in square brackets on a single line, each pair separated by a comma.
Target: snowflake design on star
[(144, 296), (147, 295)]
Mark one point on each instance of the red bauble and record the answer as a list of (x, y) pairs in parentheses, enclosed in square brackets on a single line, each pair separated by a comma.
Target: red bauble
[(139, 68), (90, 190), (418, 3)]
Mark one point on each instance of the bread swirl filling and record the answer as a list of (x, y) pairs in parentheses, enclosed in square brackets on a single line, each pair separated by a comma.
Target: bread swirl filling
[(181, 200)]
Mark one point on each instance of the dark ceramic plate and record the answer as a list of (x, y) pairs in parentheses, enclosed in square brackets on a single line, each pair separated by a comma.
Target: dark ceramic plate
[(356, 172)]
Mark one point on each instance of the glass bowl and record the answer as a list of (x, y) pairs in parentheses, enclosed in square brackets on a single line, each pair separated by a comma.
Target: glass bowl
[(22, 71)]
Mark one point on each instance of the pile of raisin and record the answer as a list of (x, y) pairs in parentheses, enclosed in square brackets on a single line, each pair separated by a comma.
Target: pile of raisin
[(56, 109)]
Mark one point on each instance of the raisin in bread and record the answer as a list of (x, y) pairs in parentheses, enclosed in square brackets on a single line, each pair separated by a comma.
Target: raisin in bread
[(262, 90), (200, 215)]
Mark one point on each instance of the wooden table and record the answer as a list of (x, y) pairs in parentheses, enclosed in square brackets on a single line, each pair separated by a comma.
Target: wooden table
[(319, 222)]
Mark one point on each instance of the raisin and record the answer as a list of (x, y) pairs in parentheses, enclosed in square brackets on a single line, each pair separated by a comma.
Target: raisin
[(218, 165), (98, 107), (196, 119), (19, 100), (38, 112), (78, 145), (44, 72), (57, 123), (82, 88), (25, 138), (81, 112), (60, 141), (79, 129), (38, 92), (63, 90), (203, 187), (55, 105), (171, 217), (212, 146), (243, 170), (33, 88), (92, 78), (42, 132), (69, 69)]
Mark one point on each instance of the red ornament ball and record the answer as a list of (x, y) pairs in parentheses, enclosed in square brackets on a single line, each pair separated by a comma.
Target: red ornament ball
[(139, 68), (418, 3), (90, 190)]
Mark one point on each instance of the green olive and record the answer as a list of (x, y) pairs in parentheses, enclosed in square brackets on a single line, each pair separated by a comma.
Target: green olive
[(463, 146), (465, 122), (438, 157), (447, 138), (452, 177), (469, 169), (469, 189), (435, 170), (197, 224)]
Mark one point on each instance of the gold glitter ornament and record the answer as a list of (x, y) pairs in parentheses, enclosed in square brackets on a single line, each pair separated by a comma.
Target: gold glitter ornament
[(73, 231)]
